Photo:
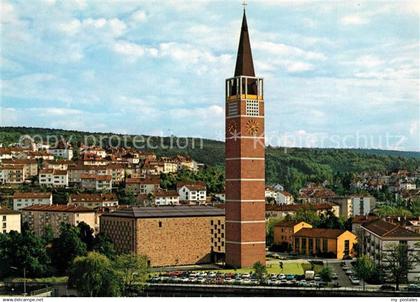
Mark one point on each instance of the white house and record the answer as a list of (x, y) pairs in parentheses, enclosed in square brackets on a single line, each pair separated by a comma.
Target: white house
[(283, 197), (193, 193), (166, 198), (25, 199), (54, 178)]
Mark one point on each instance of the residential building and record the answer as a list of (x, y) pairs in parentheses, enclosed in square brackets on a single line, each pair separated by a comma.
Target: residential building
[(142, 185), (284, 231), (192, 193), (62, 150), (345, 204), (324, 242), (168, 236), (12, 173), (53, 178), (166, 198), (30, 165), (315, 194), (94, 200), (363, 205), (26, 199), (9, 220), (278, 196), (96, 182), (39, 216), (379, 237)]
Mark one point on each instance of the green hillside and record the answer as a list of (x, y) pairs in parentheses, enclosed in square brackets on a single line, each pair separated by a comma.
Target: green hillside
[(289, 166)]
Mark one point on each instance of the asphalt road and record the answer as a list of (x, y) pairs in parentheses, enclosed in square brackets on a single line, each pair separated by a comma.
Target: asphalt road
[(343, 279)]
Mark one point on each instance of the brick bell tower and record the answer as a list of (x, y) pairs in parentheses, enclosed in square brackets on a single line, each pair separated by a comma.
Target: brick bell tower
[(245, 170)]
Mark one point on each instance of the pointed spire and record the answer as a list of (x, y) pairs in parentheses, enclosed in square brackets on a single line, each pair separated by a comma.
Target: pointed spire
[(244, 63)]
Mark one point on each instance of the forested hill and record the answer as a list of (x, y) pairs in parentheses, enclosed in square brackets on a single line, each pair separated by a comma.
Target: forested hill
[(290, 166)]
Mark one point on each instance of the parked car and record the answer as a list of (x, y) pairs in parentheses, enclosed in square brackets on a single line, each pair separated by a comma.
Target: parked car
[(349, 272), (317, 277), (354, 281), (282, 276), (290, 277), (334, 276), (413, 288), (387, 287)]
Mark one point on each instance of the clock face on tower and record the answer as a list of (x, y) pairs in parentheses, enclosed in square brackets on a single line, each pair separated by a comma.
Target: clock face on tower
[(231, 128), (252, 127)]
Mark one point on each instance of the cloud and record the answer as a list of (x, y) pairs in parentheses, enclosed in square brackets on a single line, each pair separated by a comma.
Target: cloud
[(138, 17), (354, 20)]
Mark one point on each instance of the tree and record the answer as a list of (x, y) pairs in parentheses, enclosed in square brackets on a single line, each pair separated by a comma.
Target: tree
[(67, 247), (86, 235), (269, 230), (398, 261), (325, 274), (93, 276), (260, 271), (48, 234), (103, 245), (364, 268), (24, 251), (132, 271)]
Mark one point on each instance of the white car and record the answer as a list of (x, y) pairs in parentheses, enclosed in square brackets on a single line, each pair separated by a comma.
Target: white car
[(349, 272), (246, 276), (355, 281), (282, 276)]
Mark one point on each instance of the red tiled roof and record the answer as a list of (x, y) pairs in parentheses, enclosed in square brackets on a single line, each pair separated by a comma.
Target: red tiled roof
[(290, 223), (163, 193), (58, 208), (136, 180), (296, 207), (7, 211), (12, 167), (193, 186), (20, 161), (60, 172), (93, 197), (104, 177), (319, 233), (32, 195), (46, 171), (388, 230)]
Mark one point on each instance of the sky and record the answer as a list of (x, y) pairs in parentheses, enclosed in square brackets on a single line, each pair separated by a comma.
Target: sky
[(341, 74)]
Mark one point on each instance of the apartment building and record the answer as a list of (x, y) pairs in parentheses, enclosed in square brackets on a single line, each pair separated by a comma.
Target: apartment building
[(142, 185), (25, 199), (93, 200), (53, 178), (12, 173), (39, 216), (378, 237)]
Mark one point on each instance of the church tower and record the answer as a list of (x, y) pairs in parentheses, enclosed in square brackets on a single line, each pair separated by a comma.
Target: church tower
[(245, 170)]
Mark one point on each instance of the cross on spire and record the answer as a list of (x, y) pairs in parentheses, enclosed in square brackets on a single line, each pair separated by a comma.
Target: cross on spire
[(244, 3)]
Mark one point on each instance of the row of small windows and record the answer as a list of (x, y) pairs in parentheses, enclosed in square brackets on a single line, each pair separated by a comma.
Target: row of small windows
[(252, 108)]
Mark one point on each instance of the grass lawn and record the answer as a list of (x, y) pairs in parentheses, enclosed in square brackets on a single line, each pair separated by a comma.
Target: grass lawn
[(62, 279), (294, 268)]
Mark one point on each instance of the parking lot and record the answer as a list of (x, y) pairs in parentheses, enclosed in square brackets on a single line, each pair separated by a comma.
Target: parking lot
[(212, 277)]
